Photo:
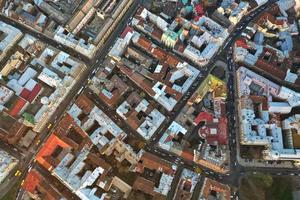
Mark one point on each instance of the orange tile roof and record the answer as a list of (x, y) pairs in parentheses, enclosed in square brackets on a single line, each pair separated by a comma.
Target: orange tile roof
[(210, 185), (187, 154), (48, 148), (143, 42), (85, 103), (172, 60), (144, 185), (32, 180), (152, 161), (17, 107), (159, 53)]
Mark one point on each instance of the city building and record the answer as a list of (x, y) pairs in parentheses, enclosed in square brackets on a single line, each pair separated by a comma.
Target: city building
[(95, 123), (268, 43), (68, 155), (108, 86), (186, 185), (160, 74), (260, 116), (202, 118), (230, 12), (36, 186), (83, 152), (156, 176), (197, 40), (9, 36), (83, 25), (214, 190), (141, 115), (35, 79), (7, 164)]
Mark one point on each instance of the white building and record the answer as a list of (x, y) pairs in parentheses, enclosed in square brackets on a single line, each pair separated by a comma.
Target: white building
[(263, 129), (152, 121), (106, 125), (7, 164), (80, 45), (83, 186), (9, 36)]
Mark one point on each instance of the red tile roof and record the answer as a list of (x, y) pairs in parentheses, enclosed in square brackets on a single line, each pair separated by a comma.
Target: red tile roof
[(35, 91), (25, 93), (30, 95), (220, 137), (172, 60), (32, 181), (242, 43), (270, 69), (126, 30), (199, 10), (143, 42), (206, 131), (203, 116), (17, 107)]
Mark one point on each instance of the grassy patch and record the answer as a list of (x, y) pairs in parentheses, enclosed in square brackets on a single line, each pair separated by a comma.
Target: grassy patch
[(281, 189), (264, 187)]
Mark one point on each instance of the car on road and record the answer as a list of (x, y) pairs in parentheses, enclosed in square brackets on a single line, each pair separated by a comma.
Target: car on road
[(18, 173), (38, 142), (49, 126), (80, 90)]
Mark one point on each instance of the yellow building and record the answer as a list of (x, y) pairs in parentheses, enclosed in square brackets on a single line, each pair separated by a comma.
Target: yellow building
[(14, 63), (211, 84)]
